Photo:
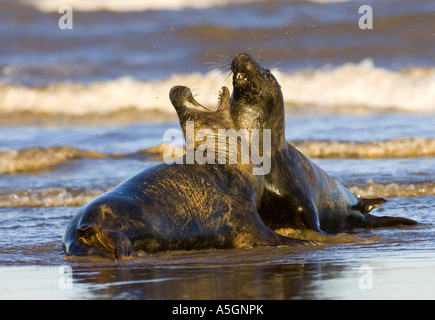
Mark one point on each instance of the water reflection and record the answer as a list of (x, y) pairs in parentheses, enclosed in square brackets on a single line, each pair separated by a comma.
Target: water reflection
[(346, 271), (403, 276), (278, 282)]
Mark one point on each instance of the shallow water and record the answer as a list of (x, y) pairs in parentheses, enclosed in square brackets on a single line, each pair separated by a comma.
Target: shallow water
[(82, 110), (400, 261), (37, 205)]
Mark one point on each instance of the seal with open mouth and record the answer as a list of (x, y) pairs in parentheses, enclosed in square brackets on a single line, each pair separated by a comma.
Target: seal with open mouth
[(177, 206), (298, 193)]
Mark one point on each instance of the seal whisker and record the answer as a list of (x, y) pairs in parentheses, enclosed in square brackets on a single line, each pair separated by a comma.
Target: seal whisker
[(229, 72), (215, 65), (258, 56), (225, 62), (275, 64)]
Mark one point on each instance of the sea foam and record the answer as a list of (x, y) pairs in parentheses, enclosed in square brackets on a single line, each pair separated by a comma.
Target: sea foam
[(345, 88), (139, 5), (37, 158)]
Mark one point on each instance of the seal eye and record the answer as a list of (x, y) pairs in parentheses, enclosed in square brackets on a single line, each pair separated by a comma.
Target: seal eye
[(269, 77)]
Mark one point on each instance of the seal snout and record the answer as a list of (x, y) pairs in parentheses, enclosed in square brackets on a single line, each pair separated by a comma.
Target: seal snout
[(181, 97), (179, 94), (242, 59), (246, 74), (243, 65)]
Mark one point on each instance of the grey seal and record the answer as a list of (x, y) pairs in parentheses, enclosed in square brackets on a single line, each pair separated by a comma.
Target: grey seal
[(298, 194), (177, 206)]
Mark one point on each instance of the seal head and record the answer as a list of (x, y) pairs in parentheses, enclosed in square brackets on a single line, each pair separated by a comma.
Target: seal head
[(257, 101), (250, 81), (188, 109)]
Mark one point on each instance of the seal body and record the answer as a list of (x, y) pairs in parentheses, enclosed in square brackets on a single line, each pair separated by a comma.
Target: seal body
[(298, 193), (176, 206)]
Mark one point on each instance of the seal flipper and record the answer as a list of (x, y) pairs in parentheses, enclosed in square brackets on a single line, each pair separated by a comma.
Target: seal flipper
[(124, 248), (76, 249), (110, 242), (366, 205), (386, 221)]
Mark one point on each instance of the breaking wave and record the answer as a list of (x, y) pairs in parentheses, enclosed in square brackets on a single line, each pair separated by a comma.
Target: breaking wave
[(138, 5), (409, 147), (37, 158), (389, 190), (51, 197), (343, 88), (362, 85)]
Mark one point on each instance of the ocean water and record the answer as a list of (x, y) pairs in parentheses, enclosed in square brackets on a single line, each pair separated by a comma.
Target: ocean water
[(83, 109)]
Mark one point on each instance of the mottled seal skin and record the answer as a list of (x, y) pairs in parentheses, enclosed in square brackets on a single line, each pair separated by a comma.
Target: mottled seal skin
[(177, 206), (298, 193)]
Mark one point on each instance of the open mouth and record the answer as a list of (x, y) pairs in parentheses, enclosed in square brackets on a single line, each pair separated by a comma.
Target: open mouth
[(241, 76), (245, 85), (194, 104), (182, 97), (223, 98)]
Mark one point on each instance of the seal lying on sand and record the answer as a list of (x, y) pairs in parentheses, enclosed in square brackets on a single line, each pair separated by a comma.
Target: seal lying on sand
[(177, 206), (298, 193)]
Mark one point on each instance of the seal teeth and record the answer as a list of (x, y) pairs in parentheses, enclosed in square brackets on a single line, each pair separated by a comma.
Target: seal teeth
[(241, 76), (219, 100)]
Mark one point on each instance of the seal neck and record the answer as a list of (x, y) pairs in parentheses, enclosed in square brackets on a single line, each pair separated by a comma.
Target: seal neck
[(253, 117)]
